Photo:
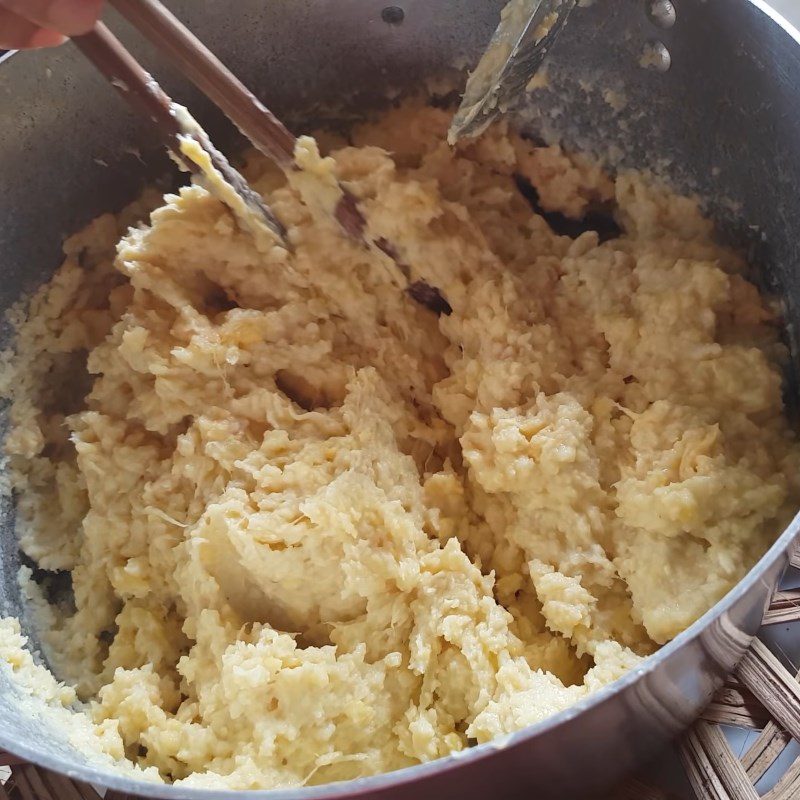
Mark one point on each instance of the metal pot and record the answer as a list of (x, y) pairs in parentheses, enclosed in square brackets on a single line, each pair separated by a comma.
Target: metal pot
[(723, 121)]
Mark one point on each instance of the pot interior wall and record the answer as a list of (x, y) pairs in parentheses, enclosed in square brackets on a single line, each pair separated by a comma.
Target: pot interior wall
[(724, 121)]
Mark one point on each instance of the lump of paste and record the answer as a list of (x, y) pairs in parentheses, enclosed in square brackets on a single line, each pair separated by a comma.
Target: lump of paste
[(316, 531)]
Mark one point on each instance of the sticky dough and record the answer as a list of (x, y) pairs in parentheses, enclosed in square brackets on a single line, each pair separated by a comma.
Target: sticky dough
[(316, 531)]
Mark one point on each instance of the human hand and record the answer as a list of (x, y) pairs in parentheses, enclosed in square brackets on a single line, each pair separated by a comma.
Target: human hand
[(27, 24)]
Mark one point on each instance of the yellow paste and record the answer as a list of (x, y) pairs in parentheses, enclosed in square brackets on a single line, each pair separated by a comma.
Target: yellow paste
[(316, 531)]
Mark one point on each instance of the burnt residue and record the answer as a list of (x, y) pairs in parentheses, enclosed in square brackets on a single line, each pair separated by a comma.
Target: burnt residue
[(600, 220), (430, 297)]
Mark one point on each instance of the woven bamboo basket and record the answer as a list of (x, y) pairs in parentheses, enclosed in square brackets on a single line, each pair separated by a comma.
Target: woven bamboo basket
[(762, 695)]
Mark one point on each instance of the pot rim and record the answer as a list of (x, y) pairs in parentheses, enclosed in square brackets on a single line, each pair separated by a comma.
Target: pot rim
[(359, 787), (407, 775)]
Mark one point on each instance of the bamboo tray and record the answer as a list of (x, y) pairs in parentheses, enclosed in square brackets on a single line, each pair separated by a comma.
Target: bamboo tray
[(762, 695)]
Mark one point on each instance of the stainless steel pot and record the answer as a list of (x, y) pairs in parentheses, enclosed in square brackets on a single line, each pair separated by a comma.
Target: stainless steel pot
[(723, 121)]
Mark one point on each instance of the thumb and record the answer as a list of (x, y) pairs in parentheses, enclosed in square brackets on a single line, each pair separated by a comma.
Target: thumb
[(70, 17)]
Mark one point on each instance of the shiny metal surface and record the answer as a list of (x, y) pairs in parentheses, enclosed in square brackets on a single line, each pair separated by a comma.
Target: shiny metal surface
[(518, 48), (724, 121)]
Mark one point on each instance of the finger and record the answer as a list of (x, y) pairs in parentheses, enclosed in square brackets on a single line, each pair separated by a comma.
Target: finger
[(70, 17), (17, 33)]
